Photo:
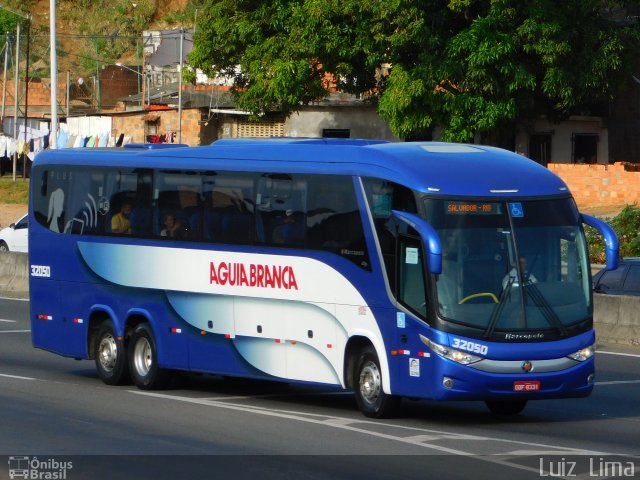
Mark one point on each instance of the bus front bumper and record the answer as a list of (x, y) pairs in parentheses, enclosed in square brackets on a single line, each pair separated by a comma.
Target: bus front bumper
[(501, 381)]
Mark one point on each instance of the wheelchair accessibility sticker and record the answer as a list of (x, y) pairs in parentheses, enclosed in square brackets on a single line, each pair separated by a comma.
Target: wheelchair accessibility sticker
[(516, 210)]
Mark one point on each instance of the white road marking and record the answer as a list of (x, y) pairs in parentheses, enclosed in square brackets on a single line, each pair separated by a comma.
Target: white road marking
[(421, 440), (15, 331), (16, 299), (16, 377), (7, 321), (618, 382), (620, 353)]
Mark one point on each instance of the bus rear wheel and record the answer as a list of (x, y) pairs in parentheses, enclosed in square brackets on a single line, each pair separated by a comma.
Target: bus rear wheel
[(370, 396), (143, 360), (110, 356), (508, 407)]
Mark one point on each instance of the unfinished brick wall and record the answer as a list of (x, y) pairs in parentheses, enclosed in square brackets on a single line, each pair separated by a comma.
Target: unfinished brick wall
[(39, 93), (600, 185), (133, 125)]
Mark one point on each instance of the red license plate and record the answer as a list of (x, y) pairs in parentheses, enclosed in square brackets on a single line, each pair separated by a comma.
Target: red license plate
[(526, 386)]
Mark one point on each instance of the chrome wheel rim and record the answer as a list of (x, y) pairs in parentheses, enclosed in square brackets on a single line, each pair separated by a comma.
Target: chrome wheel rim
[(370, 383), (108, 352), (142, 356)]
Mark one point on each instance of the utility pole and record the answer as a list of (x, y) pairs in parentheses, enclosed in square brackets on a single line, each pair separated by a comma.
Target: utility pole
[(4, 82), (98, 100), (54, 74), (180, 89), (15, 109), (26, 98), (68, 92)]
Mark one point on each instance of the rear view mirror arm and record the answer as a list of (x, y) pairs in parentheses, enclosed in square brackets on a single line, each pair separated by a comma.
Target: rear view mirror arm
[(430, 238), (611, 243)]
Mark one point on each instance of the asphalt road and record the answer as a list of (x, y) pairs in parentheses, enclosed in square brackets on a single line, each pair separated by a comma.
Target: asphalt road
[(58, 411)]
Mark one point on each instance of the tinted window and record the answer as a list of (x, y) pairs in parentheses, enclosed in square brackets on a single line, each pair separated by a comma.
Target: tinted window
[(275, 209), (411, 286), (228, 207), (632, 282), (49, 200), (383, 197), (22, 223), (178, 205), (281, 202), (613, 279), (333, 220)]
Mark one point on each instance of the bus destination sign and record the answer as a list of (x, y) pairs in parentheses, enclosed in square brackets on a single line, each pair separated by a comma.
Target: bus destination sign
[(473, 208)]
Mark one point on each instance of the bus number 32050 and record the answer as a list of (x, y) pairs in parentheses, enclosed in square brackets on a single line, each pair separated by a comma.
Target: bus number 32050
[(470, 346), (41, 271)]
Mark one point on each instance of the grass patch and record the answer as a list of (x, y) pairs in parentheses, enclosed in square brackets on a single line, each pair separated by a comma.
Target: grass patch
[(14, 192)]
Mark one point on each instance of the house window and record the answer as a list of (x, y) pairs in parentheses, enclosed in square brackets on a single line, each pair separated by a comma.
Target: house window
[(151, 123), (540, 148), (585, 148), (336, 133)]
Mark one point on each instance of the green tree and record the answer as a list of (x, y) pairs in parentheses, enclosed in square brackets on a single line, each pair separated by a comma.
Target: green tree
[(8, 23), (469, 66)]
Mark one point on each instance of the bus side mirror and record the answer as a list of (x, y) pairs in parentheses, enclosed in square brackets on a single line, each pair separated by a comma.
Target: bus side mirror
[(430, 238), (611, 244)]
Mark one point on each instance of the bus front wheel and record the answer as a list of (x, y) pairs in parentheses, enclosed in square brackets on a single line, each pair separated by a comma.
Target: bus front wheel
[(143, 360), (110, 356), (502, 407), (370, 396)]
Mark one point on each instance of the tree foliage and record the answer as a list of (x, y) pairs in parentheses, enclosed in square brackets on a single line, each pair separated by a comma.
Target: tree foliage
[(627, 227), (468, 66), (8, 23)]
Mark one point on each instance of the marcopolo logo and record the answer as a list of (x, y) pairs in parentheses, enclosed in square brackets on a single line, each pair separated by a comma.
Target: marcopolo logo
[(37, 469)]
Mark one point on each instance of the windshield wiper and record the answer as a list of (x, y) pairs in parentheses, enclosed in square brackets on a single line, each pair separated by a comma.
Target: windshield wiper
[(547, 312), (497, 312)]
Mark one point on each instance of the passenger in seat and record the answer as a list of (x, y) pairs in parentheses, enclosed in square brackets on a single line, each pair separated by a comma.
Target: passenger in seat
[(291, 230), (120, 222), (173, 227)]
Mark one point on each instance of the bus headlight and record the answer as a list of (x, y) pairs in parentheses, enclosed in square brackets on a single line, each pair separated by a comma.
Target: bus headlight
[(457, 356), (583, 354)]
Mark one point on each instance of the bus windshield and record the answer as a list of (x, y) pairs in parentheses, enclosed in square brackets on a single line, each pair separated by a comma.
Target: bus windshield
[(511, 266)]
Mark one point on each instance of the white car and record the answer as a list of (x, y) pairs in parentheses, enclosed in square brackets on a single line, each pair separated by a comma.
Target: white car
[(14, 238)]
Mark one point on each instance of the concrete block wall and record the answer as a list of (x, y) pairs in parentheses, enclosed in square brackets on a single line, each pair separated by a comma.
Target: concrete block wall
[(616, 320), (600, 185), (14, 273)]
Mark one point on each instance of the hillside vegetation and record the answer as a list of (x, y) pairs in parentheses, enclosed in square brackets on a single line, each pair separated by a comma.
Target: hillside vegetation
[(91, 34)]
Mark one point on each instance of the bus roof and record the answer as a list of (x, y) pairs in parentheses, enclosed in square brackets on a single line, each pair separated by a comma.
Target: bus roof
[(431, 167)]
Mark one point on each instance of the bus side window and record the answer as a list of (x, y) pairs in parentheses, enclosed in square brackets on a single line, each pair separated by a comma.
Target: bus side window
[(334, 222), (383, 197), (281, 209), (142, 214), (411, 285), (228, 215)]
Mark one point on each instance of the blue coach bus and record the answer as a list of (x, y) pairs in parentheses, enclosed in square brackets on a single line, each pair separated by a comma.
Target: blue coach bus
[(423, 270)]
